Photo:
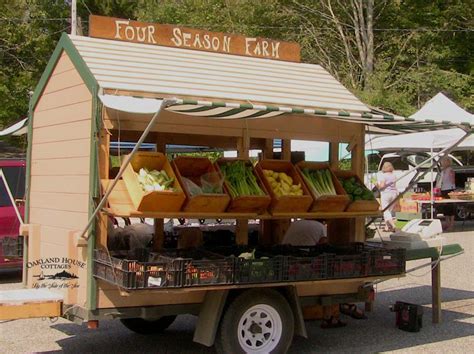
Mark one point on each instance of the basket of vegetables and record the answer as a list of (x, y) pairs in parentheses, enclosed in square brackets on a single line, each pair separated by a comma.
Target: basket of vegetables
[(362, 199), (245, 187), (327, 192), (152, 184), (202, 183), (286, 187)]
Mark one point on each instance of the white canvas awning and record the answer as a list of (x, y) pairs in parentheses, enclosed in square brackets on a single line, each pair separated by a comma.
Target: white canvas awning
[(16, 129), (437, 140), (223, 86)]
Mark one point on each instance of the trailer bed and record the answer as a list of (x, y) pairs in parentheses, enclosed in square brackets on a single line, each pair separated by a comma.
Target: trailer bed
[(29, 303)]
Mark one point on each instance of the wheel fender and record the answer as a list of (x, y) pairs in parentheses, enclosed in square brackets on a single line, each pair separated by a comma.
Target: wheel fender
[(294, 301), (209, 317)]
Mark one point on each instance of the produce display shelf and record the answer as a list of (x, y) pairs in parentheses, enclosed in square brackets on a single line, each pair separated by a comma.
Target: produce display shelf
[(197, 215), (120, 205)]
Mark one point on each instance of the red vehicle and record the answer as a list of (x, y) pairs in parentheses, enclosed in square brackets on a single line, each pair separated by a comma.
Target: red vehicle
[(10, 243)]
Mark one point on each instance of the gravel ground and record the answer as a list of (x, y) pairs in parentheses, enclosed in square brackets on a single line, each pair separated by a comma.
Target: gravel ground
[(377, 334)]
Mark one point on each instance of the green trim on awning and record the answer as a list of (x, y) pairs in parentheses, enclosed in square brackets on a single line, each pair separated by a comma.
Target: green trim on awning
[(387, 123)]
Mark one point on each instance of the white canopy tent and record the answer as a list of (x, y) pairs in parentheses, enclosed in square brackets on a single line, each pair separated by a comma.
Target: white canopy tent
[(424, 141), (439, 109)]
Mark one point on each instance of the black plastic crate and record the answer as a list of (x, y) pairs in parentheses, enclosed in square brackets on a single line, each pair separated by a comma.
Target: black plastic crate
[(132, 274), (20, 243), (386, 261), (249, 271), (12, 246), (347, 266), (116, 276), (209, 272), (201, 267), (306, 268)]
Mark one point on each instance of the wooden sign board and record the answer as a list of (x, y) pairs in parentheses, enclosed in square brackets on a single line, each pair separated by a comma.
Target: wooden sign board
[(188, 38)]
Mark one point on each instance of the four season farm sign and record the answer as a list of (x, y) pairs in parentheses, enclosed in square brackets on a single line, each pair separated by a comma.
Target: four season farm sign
[(182, 37)]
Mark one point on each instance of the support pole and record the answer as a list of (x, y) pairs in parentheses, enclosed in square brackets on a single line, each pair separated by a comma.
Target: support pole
[(74, 17), (436, 291)]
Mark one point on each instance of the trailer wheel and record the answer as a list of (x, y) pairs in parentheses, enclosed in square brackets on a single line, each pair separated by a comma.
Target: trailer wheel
[(257, 321), (142, 326)]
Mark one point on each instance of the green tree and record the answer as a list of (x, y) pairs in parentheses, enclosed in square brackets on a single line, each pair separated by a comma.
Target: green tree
[(392, 54)]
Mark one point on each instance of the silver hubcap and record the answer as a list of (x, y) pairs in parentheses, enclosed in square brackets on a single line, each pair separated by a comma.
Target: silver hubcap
[(259, 329)]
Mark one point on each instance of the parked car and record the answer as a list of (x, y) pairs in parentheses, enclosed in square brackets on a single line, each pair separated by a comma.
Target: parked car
[(10, 242)]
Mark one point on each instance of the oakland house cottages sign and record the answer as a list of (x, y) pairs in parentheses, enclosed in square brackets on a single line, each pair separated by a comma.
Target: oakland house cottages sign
[(182, 37)]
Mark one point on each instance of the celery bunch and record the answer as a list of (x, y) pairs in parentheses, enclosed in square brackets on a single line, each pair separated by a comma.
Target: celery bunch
[(320, 182), (240, 179)]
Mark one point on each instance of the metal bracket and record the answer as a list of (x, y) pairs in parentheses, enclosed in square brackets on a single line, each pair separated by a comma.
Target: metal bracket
[(294, 301), (209, 317)]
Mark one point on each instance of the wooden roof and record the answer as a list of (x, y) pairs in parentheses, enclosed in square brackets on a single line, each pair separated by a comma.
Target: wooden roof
[(183, 72)]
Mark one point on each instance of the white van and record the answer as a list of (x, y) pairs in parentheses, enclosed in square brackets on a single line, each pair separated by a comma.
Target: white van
[(404, 162)]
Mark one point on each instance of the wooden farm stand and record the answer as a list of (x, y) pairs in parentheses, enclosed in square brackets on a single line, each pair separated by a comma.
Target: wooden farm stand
[(97, 90)]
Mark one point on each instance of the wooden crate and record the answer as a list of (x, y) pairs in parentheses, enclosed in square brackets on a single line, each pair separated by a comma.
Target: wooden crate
[(289, 203), (156, 201), (246, 203), (325, 203), (193, 168), (358, 205)]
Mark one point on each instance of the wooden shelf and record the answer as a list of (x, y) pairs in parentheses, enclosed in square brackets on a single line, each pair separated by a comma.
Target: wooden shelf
[(195, 215), (120, 205)]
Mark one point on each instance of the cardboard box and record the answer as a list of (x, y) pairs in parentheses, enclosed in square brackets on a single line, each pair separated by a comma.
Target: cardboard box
[(408, 206)]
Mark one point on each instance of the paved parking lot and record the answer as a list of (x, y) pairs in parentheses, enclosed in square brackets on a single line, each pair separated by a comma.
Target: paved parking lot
[(377, 334)]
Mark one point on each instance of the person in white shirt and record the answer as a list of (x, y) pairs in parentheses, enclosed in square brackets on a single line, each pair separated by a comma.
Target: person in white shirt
[(446, 182), (305, 233), (311, 233)]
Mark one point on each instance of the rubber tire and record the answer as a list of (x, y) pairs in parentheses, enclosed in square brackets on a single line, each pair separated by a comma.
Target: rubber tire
[(226, 343), (147, 327)]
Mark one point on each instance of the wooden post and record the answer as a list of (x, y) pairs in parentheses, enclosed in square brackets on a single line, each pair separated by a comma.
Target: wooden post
[(357, 164), (436, 291), (266, 225), (286, 149), (334, 156), (104, 165), (159, 235), (242, 225), (280, 227)]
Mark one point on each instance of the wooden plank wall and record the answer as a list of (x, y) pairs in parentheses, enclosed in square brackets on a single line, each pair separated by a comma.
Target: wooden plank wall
[(60, 170)]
